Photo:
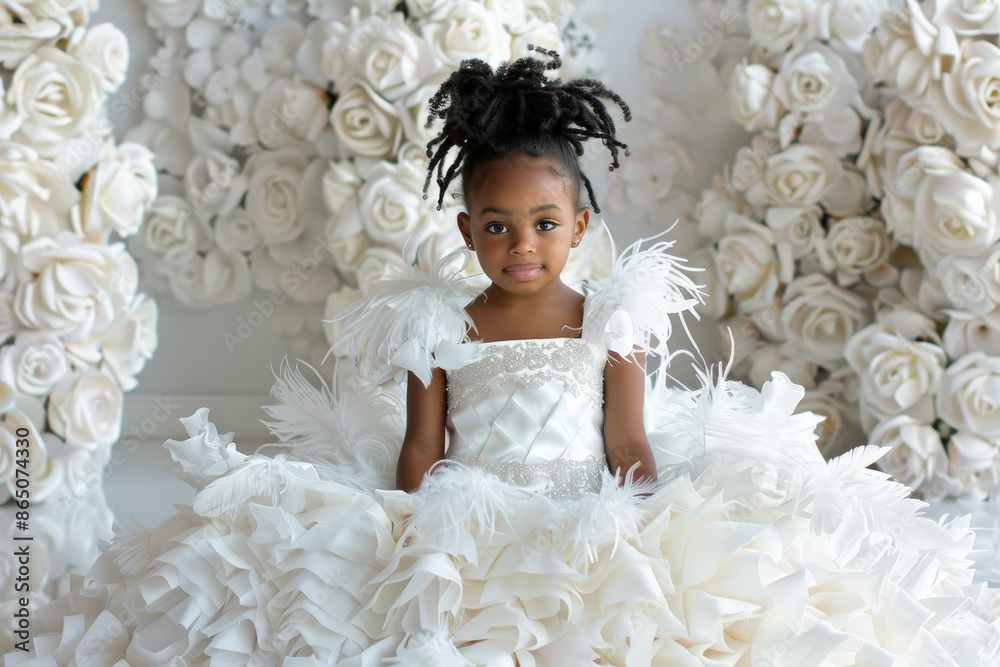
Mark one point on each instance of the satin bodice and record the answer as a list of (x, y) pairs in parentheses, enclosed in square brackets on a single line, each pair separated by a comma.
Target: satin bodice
[(529, 411)]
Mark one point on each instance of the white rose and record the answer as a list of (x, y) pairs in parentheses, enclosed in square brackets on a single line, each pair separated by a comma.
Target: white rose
[(38, 21), (968, 18), (511, 13), (365, 123), (85, 408), (797, 231), (35, 196), (170, 13), (171, 231), (798, 176), (305, 107), (814, 82), (953, 214), (975, 462), (213, 184), (917, 459), (748, 263), (853, 246), (751, 97), (58, 96), (837, 131), (391, 204), (131, 343), (340, 184), (429, 10), (970, 394), (711, 213), (469, 30), (19, 411), (849, 22), (898, 371), (377, 263), (220, 277), (237, 231), (964, 284), (383, 52), (819, 319), (116, 193), (105, 48), (910, 52), (967, 105), (78, 288), (650, 178), (903, 129), (967, 331), (413, 111), (776, 24), (34, 362), (273, 194)]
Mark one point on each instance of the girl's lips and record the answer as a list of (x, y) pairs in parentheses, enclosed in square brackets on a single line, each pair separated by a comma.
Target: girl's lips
[(523, 271)]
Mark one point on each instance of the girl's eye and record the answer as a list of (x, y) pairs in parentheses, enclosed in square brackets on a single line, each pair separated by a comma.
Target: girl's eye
[(495, 228), (547, 225)]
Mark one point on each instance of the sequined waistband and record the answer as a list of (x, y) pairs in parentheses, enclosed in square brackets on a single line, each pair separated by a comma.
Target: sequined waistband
[(561, 478)]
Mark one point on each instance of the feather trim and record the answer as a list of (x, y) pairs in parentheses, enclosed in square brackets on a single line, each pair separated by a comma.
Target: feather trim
[(354, 430), (634, 303), (398, 323)]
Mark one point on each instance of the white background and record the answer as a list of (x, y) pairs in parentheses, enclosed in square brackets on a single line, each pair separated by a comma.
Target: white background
[(192, 365)]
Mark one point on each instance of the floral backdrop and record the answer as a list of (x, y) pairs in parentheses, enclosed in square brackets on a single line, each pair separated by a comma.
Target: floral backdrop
[(852, 241), (74, 329), (290, 145)]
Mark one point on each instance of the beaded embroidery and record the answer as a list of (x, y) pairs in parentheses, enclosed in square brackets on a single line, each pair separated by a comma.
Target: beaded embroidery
[(565, 478), (531, 364)]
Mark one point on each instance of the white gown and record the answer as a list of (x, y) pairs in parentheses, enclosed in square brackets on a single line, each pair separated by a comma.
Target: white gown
[(522, 549)]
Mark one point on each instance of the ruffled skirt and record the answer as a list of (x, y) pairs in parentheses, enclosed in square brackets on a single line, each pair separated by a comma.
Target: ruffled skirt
[(731, 561)]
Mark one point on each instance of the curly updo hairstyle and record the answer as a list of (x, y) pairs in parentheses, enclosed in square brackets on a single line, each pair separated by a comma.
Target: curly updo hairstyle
[(518, 110)]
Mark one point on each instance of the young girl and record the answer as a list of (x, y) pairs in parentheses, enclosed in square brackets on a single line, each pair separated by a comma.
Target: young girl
[(521, 184), (521, 548)]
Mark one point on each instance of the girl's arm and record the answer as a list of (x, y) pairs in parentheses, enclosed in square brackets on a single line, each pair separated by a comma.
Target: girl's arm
[(625, 439), (423, 443)]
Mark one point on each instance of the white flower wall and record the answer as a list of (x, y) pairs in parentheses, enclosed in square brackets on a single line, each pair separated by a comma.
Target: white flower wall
[(853, 241), (74, 329)]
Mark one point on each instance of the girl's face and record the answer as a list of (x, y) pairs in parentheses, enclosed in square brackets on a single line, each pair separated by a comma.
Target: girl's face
[(522, 220)]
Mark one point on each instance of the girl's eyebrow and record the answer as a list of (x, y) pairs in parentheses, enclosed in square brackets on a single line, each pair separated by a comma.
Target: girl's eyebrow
[(543, 207)]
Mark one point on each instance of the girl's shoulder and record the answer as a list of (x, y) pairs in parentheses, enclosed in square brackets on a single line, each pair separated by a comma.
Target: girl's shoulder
[(406, 323), (632, 308)]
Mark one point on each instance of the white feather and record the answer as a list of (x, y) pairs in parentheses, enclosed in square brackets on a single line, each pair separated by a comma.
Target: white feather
[(398, 323), (355, 430), (277, 481), (649, 286)]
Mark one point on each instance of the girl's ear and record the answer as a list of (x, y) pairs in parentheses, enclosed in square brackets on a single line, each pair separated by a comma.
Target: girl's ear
[(582, 220), (465, 227)]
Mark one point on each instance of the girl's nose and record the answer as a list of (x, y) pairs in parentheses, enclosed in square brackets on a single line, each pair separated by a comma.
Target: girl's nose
[(523, 243)]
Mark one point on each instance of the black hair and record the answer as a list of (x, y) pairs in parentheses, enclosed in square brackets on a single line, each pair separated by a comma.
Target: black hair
[(516, 110)]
